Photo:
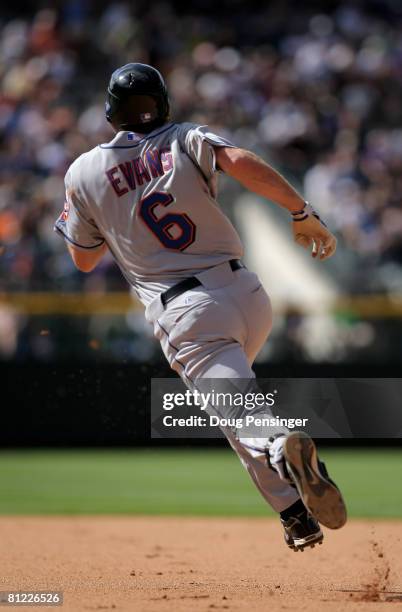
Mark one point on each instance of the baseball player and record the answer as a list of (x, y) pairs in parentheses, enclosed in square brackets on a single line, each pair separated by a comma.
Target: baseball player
[(149, 197)]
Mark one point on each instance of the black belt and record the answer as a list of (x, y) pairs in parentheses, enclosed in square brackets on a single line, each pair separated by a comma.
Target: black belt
[(191, 283)]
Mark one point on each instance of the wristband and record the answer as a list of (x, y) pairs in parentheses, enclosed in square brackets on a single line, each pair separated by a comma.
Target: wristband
[(306, 212), (302, 214)]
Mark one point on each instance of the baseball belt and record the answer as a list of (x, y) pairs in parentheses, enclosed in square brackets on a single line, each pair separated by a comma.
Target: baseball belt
[(190, 283)]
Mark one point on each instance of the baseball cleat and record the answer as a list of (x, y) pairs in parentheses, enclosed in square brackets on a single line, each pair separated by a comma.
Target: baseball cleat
[(301, 531), (318, 492)]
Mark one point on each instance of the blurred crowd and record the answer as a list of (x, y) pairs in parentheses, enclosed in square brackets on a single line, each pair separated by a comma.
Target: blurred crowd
[(314, 87)]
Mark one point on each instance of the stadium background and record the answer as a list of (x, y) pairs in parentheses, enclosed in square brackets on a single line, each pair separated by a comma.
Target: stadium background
[(318, 94), (317, 91)]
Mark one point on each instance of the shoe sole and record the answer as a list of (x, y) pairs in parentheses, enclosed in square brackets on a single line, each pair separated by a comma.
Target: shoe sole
[(322, 498), (302, 546), (306, 543)]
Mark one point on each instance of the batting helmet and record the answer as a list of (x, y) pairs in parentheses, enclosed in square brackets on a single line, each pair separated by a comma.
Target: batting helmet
[(137, 98)]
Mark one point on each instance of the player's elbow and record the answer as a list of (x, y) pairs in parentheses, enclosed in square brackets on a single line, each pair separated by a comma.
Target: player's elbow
[(84, 261), (84, 266)]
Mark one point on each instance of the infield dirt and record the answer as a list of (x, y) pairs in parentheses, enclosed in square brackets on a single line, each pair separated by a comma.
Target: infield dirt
[(164, 564)]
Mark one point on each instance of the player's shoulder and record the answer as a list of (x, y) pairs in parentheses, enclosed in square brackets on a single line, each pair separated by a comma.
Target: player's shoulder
[(187, 126), (188, 131), (194, 134), (81, 164)]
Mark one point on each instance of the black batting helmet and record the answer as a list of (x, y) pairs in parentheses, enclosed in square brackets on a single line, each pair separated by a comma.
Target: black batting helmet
[(137, 98)]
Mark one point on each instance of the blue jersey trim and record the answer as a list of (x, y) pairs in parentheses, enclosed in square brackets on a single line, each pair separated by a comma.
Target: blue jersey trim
[(109, 146), (95, 246)]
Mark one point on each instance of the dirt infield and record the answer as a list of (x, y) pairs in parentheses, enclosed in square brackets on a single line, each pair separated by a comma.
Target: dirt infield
[(202, 565)]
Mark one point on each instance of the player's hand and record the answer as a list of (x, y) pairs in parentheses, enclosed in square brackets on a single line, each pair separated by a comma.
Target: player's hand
[(311, 233)]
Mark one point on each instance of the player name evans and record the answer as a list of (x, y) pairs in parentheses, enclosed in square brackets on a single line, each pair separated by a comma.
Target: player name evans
[(247, 421)]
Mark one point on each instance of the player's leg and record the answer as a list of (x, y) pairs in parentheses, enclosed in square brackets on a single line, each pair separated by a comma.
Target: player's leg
[(294, 455), (232, 365), (300, 528), (203, 335)]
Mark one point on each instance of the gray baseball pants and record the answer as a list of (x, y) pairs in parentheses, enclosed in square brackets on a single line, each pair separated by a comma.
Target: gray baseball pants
[(215, 331)]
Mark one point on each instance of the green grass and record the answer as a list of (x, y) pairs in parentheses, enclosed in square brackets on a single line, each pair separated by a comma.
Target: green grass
[(179, 482)]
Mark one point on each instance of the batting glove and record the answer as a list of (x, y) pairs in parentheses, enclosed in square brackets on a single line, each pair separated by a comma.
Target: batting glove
[(311, 232)]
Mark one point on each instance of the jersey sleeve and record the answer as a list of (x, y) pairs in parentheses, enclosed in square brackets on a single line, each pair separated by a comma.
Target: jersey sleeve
[(75, 223), (199, 142)]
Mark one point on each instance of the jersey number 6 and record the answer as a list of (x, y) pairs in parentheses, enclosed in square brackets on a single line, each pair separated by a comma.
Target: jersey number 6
[(166, 227)]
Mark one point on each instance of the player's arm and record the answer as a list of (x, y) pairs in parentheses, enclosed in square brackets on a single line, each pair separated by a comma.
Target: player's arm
[(86, 261), (258, 176), (84, 240)]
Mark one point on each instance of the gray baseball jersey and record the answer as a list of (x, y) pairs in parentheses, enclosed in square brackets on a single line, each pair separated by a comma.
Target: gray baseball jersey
[(153, 200)]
